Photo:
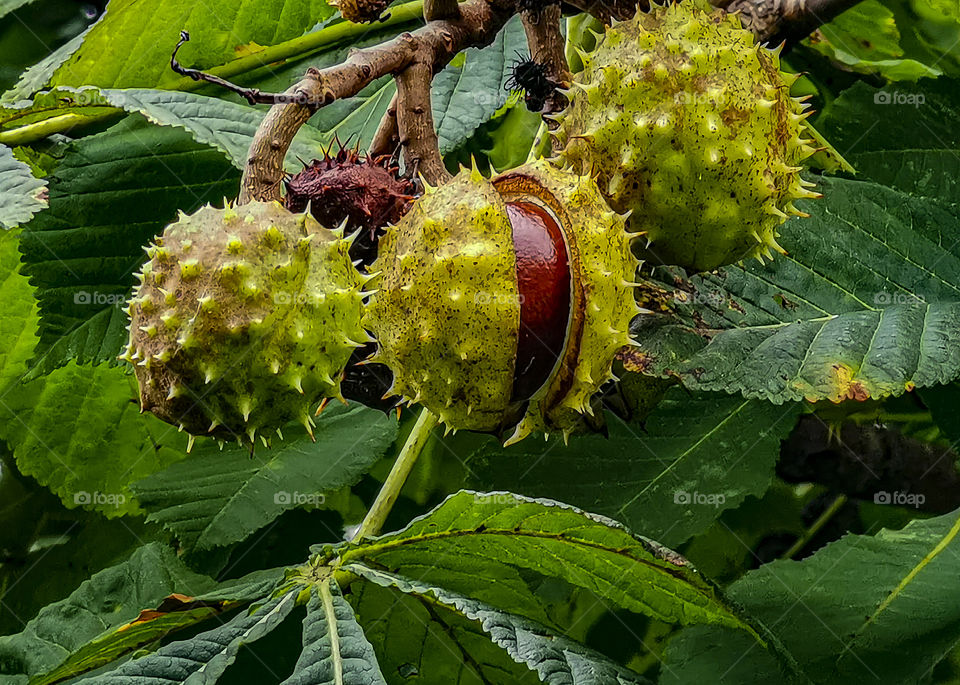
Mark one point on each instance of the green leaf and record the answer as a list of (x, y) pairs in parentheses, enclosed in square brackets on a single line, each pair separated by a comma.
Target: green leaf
[(335, 650), (704, 654), (911, 142), (79, 432), (415, 637), (106, 601), (131, 45), (225, 125), (111, 194), (865, 608), (465, 97), (216, 497), (554, 658), (173, 613), (18, 313), (8, 6), (34, 78), (21, 195), (87, 103), (695, 457), (205, 657), (455, 544), (60, 110), (357, 118), (900, 117), (865, 39), (513, 136), (865, 304)]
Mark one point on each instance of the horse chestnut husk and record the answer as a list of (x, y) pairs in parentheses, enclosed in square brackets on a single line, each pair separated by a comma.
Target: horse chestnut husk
[(500, 304)]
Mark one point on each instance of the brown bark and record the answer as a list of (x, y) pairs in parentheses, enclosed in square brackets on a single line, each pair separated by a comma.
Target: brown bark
[(387, 138)]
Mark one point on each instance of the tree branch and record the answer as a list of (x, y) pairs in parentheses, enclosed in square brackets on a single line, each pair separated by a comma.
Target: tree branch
[(440, 9), (433, 46), (387, 137), (427, 50), (418, 136)]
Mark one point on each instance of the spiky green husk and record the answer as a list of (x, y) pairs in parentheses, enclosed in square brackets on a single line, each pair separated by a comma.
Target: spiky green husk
[(244, 319), (446, 312), (603, 268), (687, 123)]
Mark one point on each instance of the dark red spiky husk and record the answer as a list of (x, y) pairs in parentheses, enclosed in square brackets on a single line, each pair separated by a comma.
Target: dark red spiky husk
[(368, 192)]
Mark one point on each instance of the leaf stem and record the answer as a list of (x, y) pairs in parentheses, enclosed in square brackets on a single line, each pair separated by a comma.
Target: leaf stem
[(375, 518)]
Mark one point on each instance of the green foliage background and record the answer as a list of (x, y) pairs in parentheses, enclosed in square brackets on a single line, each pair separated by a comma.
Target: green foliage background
[(845, 572)]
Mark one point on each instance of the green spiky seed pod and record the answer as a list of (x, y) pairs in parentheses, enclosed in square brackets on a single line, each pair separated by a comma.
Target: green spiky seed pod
[(687, 123), (244, 319), (478, 274)]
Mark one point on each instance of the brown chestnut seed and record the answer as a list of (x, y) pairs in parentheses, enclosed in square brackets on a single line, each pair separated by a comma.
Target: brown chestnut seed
[(543, 279)]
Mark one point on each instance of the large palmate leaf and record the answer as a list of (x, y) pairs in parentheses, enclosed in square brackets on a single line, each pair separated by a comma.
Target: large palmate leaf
[(106, 601), (556, 659), (79, 432), (218, 497), (21, 195), (112, 193), (881, 608), (865, 304), (335, 650), (131, 45), (466, 543), (694, 458)]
